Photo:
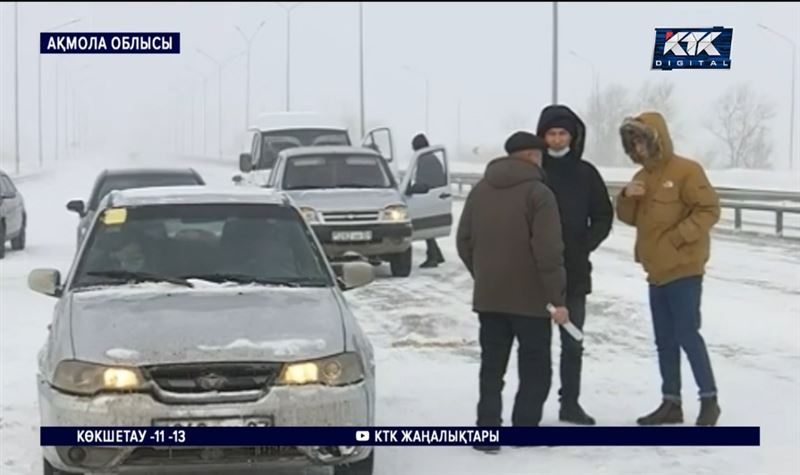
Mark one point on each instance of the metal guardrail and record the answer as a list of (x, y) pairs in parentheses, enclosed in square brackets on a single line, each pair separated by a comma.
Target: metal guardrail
[(730, 198), (725, 193), (737, 199)]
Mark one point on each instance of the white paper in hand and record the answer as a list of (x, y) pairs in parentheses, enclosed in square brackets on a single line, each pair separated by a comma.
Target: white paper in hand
[(569, 326)]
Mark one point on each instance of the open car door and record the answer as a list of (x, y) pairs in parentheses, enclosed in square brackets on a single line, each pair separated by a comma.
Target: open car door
[(426, 188), (380, 140)]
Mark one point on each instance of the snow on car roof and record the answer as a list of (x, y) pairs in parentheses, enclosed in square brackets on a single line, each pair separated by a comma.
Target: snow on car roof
[(194, 195), (296, 120), (329, 150)]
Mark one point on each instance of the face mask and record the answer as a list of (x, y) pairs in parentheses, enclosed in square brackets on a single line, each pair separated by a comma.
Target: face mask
[(558, 153)]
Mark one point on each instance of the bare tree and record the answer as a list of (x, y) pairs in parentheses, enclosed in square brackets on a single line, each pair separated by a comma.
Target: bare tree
[(740, 123), (606, 109), (659, 97)]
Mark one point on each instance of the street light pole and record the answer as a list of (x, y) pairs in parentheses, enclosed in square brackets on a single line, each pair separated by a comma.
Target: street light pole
[(205, 108), (16, 87), (219, 108), (220, 65), (205, 105), (427, 106), (427, 95), (55, 116), (792, 105), (458, 129), (39, 56), (361, 67), (288, 10), (249, 42), (555, 52)]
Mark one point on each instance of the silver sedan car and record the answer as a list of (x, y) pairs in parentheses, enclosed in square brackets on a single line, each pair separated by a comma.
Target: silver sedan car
[(190, 306)]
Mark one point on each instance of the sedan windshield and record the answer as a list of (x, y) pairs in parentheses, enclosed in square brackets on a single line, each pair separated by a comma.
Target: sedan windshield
[(244, 244), (336, 171)]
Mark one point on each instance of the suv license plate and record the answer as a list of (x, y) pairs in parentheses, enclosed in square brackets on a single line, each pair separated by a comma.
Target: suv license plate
[(352, 236)]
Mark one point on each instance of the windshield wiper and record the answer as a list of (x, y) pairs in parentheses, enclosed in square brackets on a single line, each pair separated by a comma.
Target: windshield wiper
[(140, 277), (243, 279), (309, 282), (309, 187), (356, 185)]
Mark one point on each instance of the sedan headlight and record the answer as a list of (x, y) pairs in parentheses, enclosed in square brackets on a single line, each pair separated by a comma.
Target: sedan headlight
[(395, 213), (88, 378), (310, 215), (335, 371)]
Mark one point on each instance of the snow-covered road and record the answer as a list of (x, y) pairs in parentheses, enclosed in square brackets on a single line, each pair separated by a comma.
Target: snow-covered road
[(425, 337)]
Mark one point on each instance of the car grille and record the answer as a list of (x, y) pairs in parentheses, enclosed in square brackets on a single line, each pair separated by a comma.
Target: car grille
[(350, 217), (214, 377), (201, 455)]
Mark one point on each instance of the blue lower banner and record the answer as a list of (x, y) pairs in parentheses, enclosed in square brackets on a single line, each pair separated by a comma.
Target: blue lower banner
[(398, 436)]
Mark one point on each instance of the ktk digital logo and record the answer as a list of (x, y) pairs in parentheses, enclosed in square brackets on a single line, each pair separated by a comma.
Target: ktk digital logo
[(693, 48)]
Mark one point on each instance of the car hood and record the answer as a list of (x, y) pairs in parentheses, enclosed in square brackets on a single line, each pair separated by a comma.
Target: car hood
[(160, 323), (346, 199)]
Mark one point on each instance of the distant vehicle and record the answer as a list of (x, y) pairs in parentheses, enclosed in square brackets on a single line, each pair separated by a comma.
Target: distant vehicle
[(13, 218), (276, 132), (190, 306), (354, 203), (127, 178)]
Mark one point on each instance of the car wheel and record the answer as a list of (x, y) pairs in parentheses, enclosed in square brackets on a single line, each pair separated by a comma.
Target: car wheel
[(401, 264), (2, 240), (50, 470), (18, 243), (362, 467)]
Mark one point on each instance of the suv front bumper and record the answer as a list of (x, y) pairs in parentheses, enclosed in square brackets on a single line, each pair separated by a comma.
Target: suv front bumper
[(387, 238)]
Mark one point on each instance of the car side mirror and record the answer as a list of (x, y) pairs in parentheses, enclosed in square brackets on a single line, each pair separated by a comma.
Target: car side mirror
[(45, 281), (352, 275), (419, 189), (77, 206), (245, 163), (237, 179)]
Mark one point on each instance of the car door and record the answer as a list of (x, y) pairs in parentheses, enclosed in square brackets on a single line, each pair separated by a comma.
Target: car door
[(257, 176), (14, 209), (429, 198), (380, 140)]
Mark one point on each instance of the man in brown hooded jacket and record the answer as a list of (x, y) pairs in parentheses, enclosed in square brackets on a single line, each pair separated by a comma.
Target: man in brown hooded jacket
[(509, 238), (673, 207)]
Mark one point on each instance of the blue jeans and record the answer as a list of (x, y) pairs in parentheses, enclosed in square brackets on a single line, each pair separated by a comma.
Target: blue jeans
[(675, 308)]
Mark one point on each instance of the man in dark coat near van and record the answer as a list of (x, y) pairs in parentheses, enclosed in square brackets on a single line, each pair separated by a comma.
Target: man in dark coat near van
[(430, 172)]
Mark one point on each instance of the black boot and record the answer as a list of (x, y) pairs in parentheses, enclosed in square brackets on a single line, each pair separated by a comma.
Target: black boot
[(429, 264), (709, 411), (572, 412), (669, 412)]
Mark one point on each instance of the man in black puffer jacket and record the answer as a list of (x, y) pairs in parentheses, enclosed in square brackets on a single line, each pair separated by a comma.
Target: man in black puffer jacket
[(586, 217)]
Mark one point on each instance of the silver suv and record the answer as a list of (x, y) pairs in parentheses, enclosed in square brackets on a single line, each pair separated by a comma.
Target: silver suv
[(354, 203), (189, 306)]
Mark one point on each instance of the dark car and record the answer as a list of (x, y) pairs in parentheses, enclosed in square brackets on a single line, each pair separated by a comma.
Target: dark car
[(13, 219), (124, 179)]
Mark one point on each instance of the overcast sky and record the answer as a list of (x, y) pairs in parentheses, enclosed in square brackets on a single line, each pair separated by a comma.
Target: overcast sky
[(495, 59)]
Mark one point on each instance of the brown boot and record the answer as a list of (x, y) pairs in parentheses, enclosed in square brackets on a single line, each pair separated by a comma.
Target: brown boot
[(709, 411), (669, 412)]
